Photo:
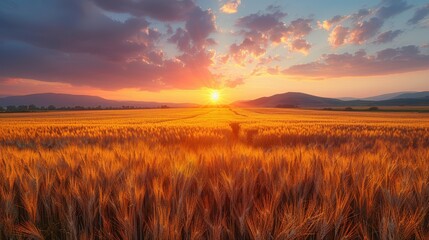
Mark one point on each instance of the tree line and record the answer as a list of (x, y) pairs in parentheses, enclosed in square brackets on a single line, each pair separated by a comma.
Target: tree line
[(34, 108)]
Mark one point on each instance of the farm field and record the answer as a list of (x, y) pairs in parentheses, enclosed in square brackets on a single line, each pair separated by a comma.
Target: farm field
[(214, 173)]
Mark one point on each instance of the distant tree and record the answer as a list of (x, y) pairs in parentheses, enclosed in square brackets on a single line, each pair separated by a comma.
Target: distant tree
[(164, 106), (51, 107), (33, 107), (1, 109), (11, 108), (286, 106), (373, 109), (43, 108), (78, 108), (22, 108), (349, 109)]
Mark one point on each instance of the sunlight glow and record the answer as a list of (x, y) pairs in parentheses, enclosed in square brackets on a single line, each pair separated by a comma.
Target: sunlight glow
[(214, 96)]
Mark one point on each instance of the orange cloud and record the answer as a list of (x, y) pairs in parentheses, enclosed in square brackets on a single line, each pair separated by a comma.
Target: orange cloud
[(230, 7)]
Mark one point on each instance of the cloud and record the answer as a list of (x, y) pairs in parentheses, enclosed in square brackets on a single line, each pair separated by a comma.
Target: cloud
[(230, 7), (200, 25), (327, 24), (163, 10), (365, 30), (261, 30), (391, 8), (185, 72), (364, 24), (338, 36), (388, 61), (52, 24), (261, 22), (361, 14), (253, 45), (419, 14), (300, 27), (358, 34), (300, 45), (387, 36), (234, 83), (74, 42)]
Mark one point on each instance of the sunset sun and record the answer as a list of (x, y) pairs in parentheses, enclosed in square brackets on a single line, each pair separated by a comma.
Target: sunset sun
[(215, 96)]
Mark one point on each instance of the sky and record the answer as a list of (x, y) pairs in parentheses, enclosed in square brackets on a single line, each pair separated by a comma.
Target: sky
[(179, 51)]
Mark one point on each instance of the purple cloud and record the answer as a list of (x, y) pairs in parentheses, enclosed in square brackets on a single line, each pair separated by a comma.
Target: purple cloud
[(260, 30), (338, 36), (75, 42), (388, 61), (365, 30), (300, 45), (387, 36), (365, 24), (391, 8), (163, 10), (50, 24), (185, 72), (261, 22), (200, 25), (419, 14)]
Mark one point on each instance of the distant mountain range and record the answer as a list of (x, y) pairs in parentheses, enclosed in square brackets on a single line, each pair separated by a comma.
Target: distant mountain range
[(290, 99), (388, 96), (296, 99), (69, 100)]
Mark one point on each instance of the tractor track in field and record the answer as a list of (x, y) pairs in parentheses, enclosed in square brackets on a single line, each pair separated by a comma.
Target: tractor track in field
[(237, 113), (184, 118)]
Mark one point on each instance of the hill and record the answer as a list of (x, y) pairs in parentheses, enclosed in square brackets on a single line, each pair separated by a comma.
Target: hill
[(389, 96), (294, 99), (291, 99), (69, 100), (413, 95)]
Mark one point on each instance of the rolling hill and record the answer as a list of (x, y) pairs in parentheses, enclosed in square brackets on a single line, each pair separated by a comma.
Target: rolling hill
[(412, 95), (295, 99), (69, 100), (291, 99)]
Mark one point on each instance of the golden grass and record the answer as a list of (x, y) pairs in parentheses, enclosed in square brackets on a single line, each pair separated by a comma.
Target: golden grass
[(190, 174)]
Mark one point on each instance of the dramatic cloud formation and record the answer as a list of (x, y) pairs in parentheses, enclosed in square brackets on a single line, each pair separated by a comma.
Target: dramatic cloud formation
[(75, 42), (419, 15), (261, 30), (364, 24), (387, 36), (53, 26), (388, 61), (118, 45), (231, 6)]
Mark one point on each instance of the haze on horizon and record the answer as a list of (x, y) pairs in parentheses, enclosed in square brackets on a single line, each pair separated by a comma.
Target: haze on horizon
[(179, 51)]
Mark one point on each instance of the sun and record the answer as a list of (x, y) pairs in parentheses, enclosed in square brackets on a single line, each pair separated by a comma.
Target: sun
[(214, 96)]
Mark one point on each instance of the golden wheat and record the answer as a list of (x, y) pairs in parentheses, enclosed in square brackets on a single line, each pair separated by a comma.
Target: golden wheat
[(214, 174)]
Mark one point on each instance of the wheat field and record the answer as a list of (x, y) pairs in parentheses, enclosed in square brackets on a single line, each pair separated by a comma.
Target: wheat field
[(214, 173)]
